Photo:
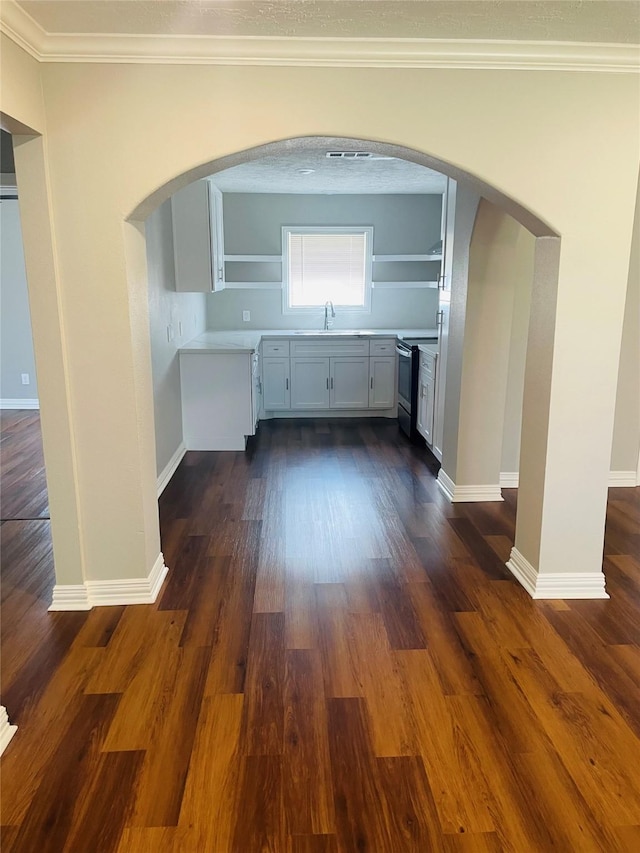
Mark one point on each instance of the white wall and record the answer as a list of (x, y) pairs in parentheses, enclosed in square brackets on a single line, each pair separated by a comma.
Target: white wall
[(403, 224), (168, 308), (16, 344)]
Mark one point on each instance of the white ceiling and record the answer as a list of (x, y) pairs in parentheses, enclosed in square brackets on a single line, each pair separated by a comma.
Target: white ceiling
[(612, 21), (347, 176)]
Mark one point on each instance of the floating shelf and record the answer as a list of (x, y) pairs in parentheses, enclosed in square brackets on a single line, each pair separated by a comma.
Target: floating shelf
[(405, 284), (258, 259), (384, 259)]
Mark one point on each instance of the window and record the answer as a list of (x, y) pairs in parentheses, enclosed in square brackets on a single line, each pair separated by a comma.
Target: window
[(328, 263)]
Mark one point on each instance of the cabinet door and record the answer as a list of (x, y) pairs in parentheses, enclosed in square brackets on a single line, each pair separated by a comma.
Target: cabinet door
[(217, 237), (349, 383), (429, 411), (382, 382), (192, 238), (276, 393), (309, 383)]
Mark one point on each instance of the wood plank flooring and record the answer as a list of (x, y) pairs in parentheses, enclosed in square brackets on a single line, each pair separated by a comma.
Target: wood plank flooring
[(338, 661)]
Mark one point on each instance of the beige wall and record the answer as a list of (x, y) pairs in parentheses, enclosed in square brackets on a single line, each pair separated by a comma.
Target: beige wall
[(186, 314), (500, 265), (22, 106), (518, 269), (626, 434), (118, 133)]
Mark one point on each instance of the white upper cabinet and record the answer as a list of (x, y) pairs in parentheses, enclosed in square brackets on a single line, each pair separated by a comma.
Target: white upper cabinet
[(198, 239), (217, 237)]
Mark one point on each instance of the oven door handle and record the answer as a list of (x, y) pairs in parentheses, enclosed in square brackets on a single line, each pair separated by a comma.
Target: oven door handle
[(403, 352)]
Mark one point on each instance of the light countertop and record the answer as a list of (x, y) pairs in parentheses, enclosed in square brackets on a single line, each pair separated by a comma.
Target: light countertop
[(430, 349), (249, 341)]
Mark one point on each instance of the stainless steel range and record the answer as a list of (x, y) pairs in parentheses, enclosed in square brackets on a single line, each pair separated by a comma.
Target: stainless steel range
[(408, 370)]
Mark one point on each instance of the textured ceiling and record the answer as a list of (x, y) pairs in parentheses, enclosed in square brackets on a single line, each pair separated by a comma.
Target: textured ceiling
[(281, 175), (613, 21)]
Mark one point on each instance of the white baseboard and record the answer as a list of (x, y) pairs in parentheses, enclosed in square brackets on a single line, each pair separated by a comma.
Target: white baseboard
[(216, 442), (617, 479), (170, 468), (583, 585), (70, 596), (509, 479), (446, 483), (329, 413), (626, 479), (10, 403), (467, 494), (7, 731), (102, 593)]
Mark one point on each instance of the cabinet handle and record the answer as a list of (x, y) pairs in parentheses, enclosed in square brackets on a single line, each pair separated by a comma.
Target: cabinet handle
[(441, 281), (372, 383), (439, 318), (286, 384), (332, 383), (327, 383)]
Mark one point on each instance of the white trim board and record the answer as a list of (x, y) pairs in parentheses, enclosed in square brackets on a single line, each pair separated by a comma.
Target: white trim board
[(102, 593), (468, 494), (176, 49), (622, 479), (617, 479), (170, 468), (559, 585), (7, 731), (11, 403)]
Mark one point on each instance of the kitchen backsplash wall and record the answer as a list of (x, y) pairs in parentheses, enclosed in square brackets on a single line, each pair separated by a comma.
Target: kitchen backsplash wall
[(403, 224)]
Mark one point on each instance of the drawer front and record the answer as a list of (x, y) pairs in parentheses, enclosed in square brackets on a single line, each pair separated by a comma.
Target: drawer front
[(275, 348), (427, 365), (383, 346), (337, 346)]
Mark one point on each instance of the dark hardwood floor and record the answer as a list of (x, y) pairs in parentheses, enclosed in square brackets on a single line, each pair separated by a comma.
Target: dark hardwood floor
[(338, 661)]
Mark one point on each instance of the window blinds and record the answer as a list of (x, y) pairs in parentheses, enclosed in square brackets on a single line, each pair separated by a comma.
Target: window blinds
[(326, 266)]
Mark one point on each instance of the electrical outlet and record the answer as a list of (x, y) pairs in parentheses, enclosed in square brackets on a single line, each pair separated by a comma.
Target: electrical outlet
[(25, 379), (246, 316)]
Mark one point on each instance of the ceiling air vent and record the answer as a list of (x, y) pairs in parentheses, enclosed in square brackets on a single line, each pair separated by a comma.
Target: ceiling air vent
[(349, 155)]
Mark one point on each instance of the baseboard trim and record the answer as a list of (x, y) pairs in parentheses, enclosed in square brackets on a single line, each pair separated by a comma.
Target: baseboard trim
[(105, 593), (468, 494), (11, 403), (622, 479), (217, 442), (617, 479), (7, 731), (170, 468), (509, 479), (568, 585), (70, 596), (446, 483)]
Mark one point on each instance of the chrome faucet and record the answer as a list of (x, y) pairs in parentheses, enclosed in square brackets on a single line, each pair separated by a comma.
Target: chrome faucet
[(328, 305)]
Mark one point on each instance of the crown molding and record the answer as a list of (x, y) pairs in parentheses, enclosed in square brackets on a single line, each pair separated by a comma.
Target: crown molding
[(319, 52)]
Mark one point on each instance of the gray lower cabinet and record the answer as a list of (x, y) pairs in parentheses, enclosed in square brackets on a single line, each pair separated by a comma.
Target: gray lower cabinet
[(310, 383), (276, 390), (315, 382)]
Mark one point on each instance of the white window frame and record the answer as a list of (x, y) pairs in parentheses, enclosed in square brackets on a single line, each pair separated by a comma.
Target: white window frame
[(367, 230)]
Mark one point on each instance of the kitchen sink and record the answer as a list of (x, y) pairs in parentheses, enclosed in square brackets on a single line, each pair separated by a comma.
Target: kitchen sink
[(342, 332)]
